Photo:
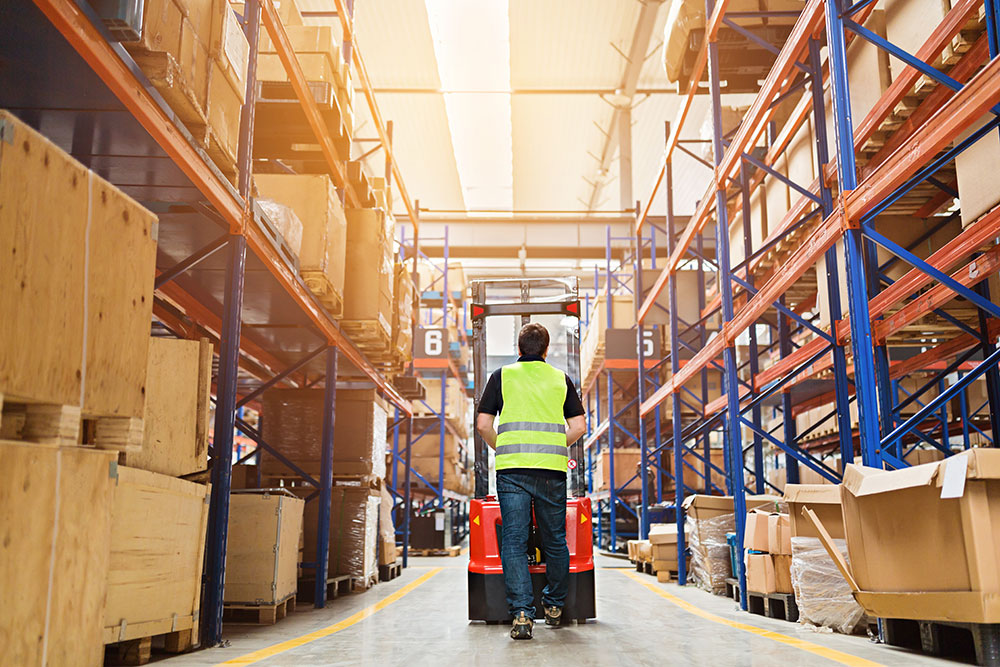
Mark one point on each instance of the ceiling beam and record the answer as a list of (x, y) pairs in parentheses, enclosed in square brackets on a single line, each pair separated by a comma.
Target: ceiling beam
[(406, 90), (622, 114)]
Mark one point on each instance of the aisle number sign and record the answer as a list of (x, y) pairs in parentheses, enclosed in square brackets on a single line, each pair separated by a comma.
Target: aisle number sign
[(431, 343)]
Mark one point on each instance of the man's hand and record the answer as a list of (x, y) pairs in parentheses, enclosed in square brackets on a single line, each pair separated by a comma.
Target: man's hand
[(484, 424), (577, 427)]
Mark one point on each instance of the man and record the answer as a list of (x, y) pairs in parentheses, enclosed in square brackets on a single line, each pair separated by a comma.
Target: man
[(540, 416)]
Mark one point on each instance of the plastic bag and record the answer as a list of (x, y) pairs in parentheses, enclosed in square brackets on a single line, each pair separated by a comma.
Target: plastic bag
[(823, 596)]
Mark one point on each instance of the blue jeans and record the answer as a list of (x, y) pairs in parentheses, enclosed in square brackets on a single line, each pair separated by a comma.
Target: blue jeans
[(517, 492)]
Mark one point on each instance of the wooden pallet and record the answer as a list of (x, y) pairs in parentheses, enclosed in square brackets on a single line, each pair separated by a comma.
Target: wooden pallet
[(52, 423), (390, 571), (450, 552), (278, 241), (773, 605), (263, 614), (139, 651), (335, 588), (733, 589), (370, 336), (325, 293), (980, 641)]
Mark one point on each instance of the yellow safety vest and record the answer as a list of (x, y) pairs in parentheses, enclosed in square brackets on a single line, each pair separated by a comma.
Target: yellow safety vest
[(532, 430)]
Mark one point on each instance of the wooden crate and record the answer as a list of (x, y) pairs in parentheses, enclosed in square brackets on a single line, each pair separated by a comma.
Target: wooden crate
[(324, 231), (262, 556), (176, 421), (157, 551), (56, 523), (52, 293)]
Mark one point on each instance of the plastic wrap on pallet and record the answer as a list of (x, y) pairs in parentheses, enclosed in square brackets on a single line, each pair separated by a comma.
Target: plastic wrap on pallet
[(285, 221), (710, 562), (822, 594), (353, 531), (293, 425)]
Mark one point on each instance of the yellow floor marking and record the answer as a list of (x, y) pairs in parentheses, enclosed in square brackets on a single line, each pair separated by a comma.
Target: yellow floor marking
[(270, 651), (816, 649)]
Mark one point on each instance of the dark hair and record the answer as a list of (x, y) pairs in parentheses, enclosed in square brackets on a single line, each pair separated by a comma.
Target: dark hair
[(533, 339)]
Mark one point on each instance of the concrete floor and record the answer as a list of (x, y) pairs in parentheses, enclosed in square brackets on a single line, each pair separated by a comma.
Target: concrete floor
[(640, 622)]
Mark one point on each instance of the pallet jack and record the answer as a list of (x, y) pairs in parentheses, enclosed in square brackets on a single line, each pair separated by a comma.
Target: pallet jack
[(487, 593)]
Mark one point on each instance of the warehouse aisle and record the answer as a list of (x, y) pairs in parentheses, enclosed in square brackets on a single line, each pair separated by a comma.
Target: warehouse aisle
[(420, 619)]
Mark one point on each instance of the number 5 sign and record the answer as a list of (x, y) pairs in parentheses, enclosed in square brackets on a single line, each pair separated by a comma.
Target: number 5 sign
[(431, 343)]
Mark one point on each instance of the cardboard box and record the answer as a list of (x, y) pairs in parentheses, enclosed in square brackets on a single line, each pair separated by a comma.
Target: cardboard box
[(898, 525), (665, 552), (755, 534), (976, 170), (663, 533), (262, 556), (369, 269), (824, 499), (644, 551), (782, 566), (664, 565), (626, 468), (779, 537), (760, 573)]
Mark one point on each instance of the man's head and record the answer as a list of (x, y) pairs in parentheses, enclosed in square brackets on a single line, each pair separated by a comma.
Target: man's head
[(533, 339)]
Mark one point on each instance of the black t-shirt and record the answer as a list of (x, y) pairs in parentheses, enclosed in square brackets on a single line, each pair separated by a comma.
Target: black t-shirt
[(491, 403)]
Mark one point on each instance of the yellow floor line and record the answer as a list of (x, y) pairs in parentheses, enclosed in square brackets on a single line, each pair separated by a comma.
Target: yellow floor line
[(270, 651), (816, 649)]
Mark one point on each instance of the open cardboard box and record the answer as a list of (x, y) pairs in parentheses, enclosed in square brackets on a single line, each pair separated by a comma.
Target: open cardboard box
[(924, 542)]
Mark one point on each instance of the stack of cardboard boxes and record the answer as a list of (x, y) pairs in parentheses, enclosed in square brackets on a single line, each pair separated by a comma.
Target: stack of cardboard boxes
[(768, 545), (663, 547)]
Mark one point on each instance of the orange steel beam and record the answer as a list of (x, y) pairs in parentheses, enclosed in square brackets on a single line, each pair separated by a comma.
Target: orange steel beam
[(338, 172), (77, 29), (782, 367), (102, 58), (942, 35), (974, 272), (369, 91)]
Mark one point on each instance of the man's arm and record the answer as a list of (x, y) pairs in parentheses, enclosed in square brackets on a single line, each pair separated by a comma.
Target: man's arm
[(484, 424), (577, 427)]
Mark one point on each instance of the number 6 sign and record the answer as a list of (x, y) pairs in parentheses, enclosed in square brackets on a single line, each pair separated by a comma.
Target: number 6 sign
[(431, 343)]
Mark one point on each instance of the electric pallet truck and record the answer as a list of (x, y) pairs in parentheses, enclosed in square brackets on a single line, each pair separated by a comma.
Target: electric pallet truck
[(487, 593)]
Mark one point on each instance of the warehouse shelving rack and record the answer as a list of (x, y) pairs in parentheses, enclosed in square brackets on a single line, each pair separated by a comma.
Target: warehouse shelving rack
[(442, 368), (88, 95), (911, 156)]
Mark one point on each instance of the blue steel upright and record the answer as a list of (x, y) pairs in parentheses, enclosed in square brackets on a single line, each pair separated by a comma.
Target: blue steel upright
[(641, 354), (326, 477), (675, 367), (735, 442), (861, 335)]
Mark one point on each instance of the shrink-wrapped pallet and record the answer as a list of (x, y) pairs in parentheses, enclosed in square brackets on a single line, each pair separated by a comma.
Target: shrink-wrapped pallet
[(823, 596), (710, 562), (293, 424), (353, 531), (286, 222)]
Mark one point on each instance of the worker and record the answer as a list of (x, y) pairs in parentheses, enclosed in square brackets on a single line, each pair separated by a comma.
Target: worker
[(540, 417)]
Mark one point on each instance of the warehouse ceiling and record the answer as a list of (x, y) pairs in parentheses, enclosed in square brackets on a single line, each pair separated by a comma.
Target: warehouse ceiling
[(510, 105)]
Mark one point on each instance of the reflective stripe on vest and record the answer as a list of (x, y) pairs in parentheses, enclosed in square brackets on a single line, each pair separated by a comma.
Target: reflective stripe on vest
[(531, 432)]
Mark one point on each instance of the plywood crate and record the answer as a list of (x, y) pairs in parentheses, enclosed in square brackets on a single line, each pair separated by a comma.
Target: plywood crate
[(52, 293), (176, 419), (908, 24), (157, 550), (56, 522), (622, 317), (322, 258), (293, 424), (262, 556), (369, 277)]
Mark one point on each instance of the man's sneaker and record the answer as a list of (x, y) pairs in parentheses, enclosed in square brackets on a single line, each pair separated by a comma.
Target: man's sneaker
[(553, 615), (522, 627)]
